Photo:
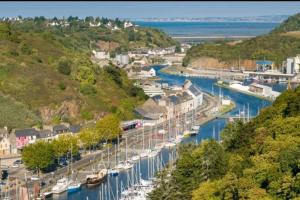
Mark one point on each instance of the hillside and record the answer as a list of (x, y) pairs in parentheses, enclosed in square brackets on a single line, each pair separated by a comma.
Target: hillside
[(276, 46), (47, 76), (256, 160)]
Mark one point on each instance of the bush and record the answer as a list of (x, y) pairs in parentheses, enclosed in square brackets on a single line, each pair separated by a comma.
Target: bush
[(86, 115), (88, 89), (62, 86), (26, 49), (64, 67)]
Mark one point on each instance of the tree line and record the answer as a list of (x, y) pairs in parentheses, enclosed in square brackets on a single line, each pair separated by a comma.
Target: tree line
[(256, 160)]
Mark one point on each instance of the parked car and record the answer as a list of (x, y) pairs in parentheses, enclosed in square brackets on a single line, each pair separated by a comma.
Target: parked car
[(17, 163)]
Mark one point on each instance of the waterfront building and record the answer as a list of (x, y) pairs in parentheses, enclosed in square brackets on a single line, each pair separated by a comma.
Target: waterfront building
[(6, 143), (25, 136), (293, 65), (195, 92), (264, 65), (150, 110), (260, 89)]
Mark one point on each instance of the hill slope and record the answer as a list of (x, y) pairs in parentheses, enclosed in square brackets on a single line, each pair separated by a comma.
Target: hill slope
[(275, 46), (256, 160), (48, 71)]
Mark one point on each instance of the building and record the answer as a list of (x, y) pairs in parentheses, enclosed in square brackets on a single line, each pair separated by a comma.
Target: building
[(264, 65), (122, 59), (94, 24), (293, 65), (194, 91), (260, 89), (101, 54), (127, 24), (25, 136), (5, 147), (150, 110), (59, 129)]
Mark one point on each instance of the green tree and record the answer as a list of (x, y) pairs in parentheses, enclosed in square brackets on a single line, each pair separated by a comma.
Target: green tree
[(65, 144), (108, 127), (85, 75), (39, 155), (88, 138)]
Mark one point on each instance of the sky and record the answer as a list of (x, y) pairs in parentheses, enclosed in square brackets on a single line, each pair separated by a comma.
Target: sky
[(150, 9)]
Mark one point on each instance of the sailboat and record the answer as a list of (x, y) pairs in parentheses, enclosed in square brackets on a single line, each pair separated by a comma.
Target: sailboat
[(195, 129), (145, 152), (127, 164), (74, 185), (115, 171), (61, 186)]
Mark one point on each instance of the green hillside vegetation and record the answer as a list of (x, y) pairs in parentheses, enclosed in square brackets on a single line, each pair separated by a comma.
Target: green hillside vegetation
[(43, 66), (275, 46), (256, 160)]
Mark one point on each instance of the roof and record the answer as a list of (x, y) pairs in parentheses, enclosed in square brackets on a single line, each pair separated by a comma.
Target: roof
[(150, 110), (194, 90), (264, 62), (45, 133), (75, 128), (26, 132), (175, 100), (156, 98), (60, 127)]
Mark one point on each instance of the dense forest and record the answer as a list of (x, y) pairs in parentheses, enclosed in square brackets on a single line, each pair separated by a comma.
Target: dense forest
[(46, 74), (255, 160), (282, 42)]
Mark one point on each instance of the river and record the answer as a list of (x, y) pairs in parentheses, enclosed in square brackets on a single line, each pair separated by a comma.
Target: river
[(206, 131)]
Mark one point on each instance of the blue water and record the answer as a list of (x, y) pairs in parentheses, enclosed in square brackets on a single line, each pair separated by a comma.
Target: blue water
[(148, 166), (211, 28)]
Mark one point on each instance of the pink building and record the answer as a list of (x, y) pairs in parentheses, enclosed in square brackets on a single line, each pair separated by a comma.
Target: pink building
[(25, 136)]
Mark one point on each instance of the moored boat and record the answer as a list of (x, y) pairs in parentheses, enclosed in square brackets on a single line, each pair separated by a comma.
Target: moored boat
[(95, 179), (61, 186), (74, 186)]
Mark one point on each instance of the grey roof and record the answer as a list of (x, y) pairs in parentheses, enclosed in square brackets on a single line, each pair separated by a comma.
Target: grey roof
[(174, 99), (156, 98), (194, 90), (150, 110), (26, 132), (45, 133), (75, 128), (60, 127)]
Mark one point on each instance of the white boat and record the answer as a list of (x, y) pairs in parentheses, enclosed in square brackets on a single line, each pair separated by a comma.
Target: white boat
[(135, 158), (145, 153), (153, 153), (171, 143), (61, 186), (196, 127), (127, 165)]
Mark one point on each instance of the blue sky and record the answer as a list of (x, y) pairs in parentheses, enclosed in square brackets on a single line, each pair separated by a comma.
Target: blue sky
[(165, 9)]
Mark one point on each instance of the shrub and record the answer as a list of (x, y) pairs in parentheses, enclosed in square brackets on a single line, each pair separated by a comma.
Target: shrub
[(64, 67), (26, 49), (62, 86), (88, 89)]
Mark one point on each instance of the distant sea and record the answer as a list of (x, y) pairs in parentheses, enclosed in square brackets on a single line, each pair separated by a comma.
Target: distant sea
[(211, 29)]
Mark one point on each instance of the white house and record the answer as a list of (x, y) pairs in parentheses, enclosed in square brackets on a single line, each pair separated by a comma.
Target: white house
[(101, 54), (127, 24), (95, 24), (293, 65), (194, 91), (122, 59)]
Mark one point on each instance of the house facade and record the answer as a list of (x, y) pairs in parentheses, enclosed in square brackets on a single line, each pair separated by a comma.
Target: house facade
[(25, 136)]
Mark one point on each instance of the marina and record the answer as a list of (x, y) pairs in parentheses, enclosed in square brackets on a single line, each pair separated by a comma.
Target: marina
[(151, 160)]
